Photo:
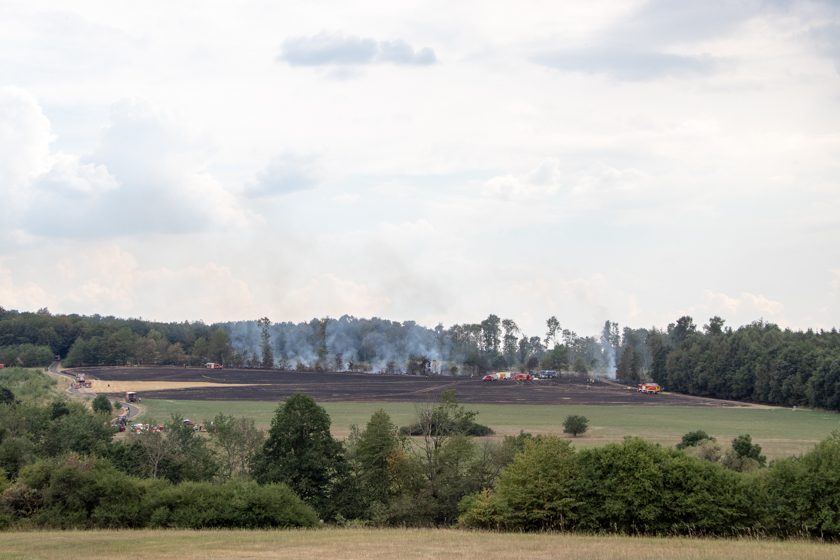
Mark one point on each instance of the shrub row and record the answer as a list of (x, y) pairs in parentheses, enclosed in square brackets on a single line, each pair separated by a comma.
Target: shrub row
[(76, 492), (640, 488)]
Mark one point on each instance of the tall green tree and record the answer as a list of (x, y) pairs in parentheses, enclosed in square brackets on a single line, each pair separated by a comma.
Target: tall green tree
[(378, 447), (301, 452)]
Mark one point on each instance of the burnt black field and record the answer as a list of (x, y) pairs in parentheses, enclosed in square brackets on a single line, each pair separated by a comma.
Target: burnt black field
[(274, 385)]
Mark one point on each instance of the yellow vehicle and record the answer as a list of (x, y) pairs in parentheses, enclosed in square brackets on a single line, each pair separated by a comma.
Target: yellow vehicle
[(649, 388)]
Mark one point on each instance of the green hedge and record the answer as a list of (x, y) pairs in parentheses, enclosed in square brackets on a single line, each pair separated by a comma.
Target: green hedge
[(640, 488), (76, 492)]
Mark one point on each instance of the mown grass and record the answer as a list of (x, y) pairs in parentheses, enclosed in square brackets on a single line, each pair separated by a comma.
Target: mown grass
[(388, 544), (780, 431)]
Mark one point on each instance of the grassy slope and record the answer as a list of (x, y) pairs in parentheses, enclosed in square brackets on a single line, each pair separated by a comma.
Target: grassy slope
[(780, 431), (30, 384), (387, 544)]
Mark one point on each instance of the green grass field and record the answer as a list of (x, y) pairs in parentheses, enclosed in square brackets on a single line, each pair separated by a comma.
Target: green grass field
[(779, 431), (388, 544)]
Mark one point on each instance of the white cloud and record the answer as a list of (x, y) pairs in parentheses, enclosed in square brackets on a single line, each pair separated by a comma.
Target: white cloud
[(590, 184), (337, 49), (658, 39), (345, 199), (108, 276), (332, 295), (27, 295), (67, 173), (543, 181), (418, 229), (147, 177), (284, 174), (744, 308), (25, 138), (629, 65)]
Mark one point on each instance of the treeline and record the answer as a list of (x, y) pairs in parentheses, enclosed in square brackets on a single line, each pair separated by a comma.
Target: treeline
[(34, 339), (344, 344), (758, 362)]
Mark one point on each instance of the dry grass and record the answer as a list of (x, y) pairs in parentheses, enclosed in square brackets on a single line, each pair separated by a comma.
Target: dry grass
[(62, 382), (389, 544)]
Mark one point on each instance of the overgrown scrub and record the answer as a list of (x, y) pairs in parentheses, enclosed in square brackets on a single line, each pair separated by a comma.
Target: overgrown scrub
[(80, 492), (640, 488)]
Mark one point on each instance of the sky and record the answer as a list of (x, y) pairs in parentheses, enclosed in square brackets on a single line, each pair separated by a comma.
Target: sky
[(631, 161)]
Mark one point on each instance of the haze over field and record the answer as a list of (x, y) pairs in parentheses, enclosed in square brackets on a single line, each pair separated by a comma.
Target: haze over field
[(632, 161)]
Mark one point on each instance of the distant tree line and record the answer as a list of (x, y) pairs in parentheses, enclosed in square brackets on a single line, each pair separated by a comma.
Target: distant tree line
[(34, 339), (758, 362), (344, 344)]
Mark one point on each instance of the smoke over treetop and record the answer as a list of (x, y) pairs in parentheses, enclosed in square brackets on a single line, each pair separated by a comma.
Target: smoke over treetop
[(381, 345)]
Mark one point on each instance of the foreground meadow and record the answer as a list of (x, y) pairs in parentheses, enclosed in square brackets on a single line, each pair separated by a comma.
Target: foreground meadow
[(388, 544), (780, 431)]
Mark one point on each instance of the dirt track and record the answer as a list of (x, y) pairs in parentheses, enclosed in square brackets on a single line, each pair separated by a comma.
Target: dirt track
[(274, 385)]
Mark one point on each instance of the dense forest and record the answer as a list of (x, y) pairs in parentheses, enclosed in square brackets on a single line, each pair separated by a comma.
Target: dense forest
[(758, 362)]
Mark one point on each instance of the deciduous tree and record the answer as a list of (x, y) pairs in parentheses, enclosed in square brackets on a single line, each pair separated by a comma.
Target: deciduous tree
[(575, 425), (301, 452)]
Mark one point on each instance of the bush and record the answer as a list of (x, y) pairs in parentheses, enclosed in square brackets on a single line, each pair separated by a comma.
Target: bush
[(446, 418), (744, 456), (803, 493), (469, 429), (707, 450), (633, 488), (745, 448), (236, 504), (77, 492), (15, 452), (102, 404), (693, 439), (533, 492)]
